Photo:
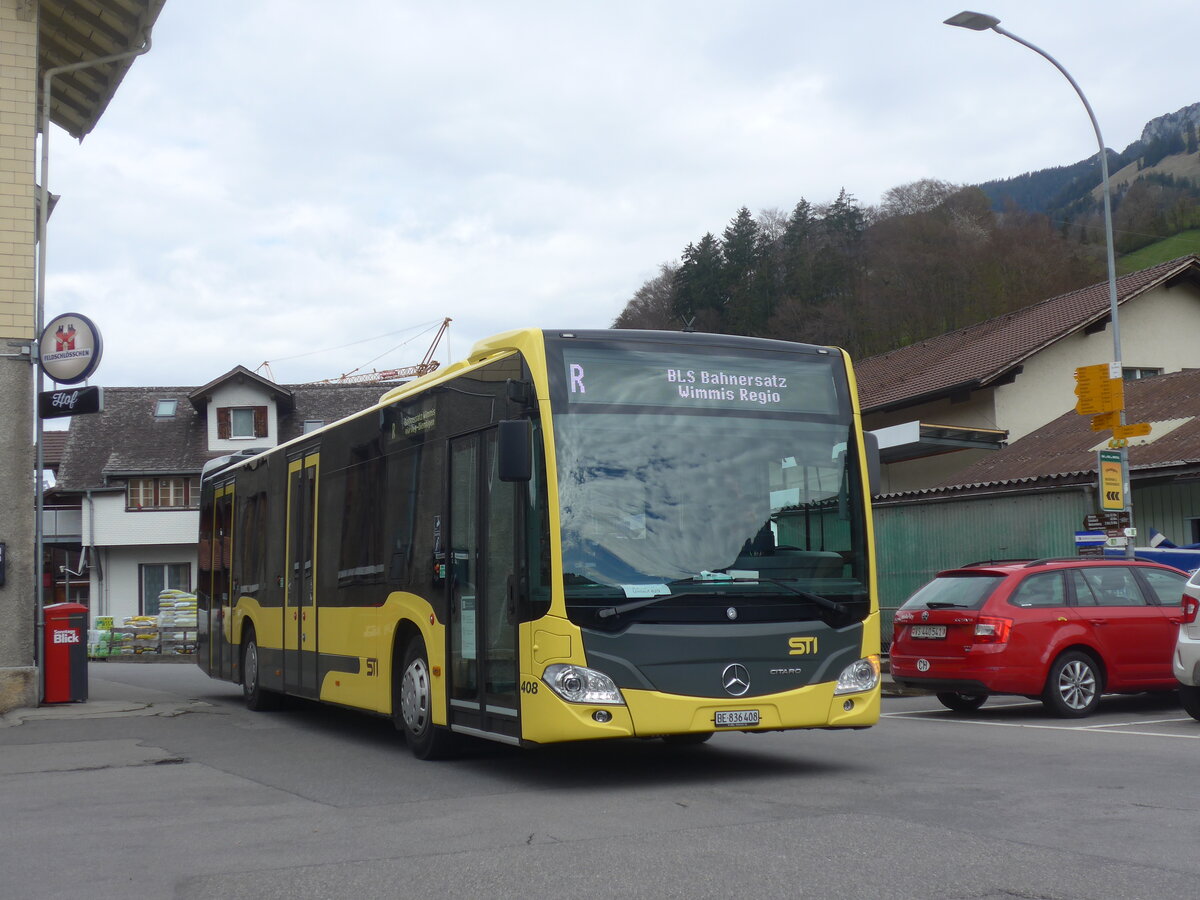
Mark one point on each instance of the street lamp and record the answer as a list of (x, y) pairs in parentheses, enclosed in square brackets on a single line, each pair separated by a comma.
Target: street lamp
[(982, 22)]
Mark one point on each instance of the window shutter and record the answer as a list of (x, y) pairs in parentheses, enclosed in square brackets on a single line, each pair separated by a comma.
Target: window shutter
[(223, 429), (260, 421)]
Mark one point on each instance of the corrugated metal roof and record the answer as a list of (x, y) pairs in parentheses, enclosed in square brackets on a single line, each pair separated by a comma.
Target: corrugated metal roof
[(73, 31), (984, 354)]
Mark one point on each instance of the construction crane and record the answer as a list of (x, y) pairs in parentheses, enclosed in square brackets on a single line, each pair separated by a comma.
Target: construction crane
[(424, 367)]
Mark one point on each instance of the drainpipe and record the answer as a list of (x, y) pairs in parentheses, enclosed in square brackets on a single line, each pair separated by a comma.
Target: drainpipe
[(40, 322)]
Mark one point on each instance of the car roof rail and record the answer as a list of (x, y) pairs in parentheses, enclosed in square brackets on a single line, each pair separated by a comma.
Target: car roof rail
[(1062, 559), (996, 562)]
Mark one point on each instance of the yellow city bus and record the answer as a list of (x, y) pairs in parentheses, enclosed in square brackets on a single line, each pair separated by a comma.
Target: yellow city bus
[(567, 536)]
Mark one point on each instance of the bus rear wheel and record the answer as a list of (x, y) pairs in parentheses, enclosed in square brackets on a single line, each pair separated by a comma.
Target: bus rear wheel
[(256, 696), (412, 706)]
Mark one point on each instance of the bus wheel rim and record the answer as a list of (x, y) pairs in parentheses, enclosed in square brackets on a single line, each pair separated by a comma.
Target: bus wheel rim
[(250, 676), (414, 696)]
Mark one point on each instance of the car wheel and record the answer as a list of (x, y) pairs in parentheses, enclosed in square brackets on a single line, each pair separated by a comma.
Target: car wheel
[(1073, 687), (960, 702), (1190, 696), (414, 713), (256, 696)]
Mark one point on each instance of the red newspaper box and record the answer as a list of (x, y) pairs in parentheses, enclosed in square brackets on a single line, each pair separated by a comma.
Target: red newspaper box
[(64, 660)]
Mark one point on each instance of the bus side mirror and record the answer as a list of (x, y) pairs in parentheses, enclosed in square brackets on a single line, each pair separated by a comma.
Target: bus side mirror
[(515, 450), (874, 468)]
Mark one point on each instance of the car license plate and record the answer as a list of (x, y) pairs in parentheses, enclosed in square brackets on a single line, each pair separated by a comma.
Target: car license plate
[(736, 717), (928, 631)]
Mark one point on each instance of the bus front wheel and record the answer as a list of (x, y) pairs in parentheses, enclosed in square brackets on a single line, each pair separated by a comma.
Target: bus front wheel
[(415, 713)]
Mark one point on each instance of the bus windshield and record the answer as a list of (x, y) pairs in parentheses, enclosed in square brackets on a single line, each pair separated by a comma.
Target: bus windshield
[(686, 496)]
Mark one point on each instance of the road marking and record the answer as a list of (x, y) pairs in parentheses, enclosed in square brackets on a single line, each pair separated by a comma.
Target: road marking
[(1130, 724), (1095, 729)]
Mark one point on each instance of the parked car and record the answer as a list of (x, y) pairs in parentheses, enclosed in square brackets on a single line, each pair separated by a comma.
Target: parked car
[(1187, 648), (1061, 630)]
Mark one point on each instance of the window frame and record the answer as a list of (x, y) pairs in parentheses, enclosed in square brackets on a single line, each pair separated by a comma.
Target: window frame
[(155, 487)]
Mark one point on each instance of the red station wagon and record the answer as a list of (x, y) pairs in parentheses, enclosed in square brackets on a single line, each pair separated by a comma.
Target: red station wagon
[(1061, 630)]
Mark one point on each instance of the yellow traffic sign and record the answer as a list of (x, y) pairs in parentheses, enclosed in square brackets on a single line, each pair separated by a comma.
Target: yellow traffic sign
[(1105, 421), (1112, 485), (1137, 429), (1098, 392)]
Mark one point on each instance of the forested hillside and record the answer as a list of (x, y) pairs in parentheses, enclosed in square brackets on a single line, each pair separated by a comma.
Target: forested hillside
[(931, 258)]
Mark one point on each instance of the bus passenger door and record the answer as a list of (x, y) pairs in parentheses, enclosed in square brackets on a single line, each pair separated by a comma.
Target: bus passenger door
[(222, 599), (299, 612), (483, 549)]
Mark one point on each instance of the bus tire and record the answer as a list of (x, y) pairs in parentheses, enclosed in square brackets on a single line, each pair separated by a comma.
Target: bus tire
[(412, 706), (256, 696)]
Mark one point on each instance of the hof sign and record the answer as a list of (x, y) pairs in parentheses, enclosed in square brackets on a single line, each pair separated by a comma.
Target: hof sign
[(70, 402), (70, 348)]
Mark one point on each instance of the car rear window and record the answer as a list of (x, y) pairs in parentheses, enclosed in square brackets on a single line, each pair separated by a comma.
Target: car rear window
[(961, 591), (1167, 586)]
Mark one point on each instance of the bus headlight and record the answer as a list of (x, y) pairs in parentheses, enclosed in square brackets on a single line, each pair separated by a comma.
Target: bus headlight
[(577, 684), (860, 675)]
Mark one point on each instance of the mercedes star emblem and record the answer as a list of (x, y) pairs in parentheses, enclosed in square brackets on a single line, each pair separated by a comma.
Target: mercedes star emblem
[(735, 679)]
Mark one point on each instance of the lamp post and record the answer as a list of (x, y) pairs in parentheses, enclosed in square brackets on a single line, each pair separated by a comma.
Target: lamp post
[(983, 22)]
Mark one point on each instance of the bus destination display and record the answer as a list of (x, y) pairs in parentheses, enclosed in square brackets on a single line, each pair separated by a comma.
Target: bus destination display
[(643, 379)]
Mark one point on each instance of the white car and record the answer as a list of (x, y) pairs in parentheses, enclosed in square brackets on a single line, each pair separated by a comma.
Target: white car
[(1187, 648)]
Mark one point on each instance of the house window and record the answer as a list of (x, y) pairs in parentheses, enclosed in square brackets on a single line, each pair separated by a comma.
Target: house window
[(1136, 374), (313, 425), (241, 422), (154, 578), (165, 409), (170, 492)]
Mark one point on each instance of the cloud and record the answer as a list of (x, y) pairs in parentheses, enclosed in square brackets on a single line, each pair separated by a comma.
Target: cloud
[(279, 180)]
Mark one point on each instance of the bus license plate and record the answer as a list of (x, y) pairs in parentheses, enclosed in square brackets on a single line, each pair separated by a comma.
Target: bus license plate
[(736, 717), (928, 631)]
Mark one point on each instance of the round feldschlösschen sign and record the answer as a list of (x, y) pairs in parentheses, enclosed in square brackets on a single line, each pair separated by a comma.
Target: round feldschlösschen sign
[(70, 348)]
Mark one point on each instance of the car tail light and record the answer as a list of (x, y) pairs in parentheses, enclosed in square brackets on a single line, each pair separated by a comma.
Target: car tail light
[(992, 630), (1190, 607)]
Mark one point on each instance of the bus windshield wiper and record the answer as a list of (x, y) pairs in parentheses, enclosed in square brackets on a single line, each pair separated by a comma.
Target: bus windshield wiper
[(610, 611), (824, 602)]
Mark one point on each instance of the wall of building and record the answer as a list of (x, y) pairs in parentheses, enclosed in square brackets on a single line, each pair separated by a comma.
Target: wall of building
[(116, 592), (18, 89), (238, 395), (110, 524)]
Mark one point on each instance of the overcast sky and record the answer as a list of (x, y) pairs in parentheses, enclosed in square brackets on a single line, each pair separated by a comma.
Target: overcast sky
[(316, 185)]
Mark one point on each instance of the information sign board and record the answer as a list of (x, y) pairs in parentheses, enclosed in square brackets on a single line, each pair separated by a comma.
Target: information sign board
[(1112, 483)]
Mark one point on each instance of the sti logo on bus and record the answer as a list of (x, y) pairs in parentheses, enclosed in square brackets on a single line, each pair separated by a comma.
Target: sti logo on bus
[(802, 646)]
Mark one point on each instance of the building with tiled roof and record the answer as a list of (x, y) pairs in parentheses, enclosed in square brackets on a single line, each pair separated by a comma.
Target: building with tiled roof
[(127, 490), (975, 389), (1064, 451)]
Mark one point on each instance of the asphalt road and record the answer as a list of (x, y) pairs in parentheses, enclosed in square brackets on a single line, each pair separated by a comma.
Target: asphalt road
[(163, 785)]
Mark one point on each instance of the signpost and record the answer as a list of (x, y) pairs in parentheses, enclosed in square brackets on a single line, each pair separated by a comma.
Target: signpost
[(1100, 390)]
